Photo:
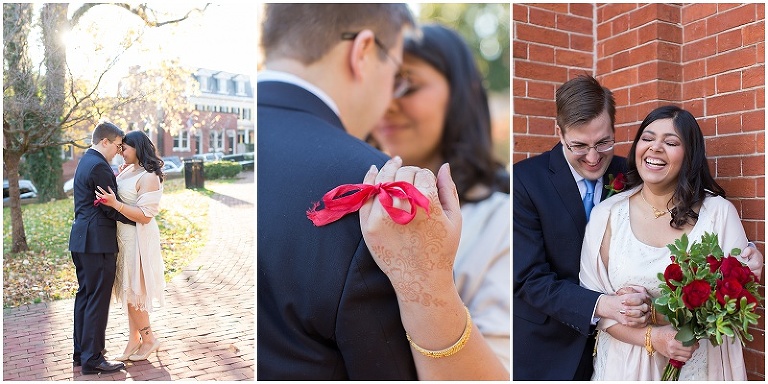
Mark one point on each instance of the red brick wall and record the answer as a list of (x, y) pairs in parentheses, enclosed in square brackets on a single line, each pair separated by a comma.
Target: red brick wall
[(707, 58)]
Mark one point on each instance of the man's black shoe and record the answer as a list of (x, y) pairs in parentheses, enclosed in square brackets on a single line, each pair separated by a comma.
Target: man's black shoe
[(76, 360), (105, 366)]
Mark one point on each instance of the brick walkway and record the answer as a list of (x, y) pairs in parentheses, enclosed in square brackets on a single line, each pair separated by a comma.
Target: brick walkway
[(207, 324)]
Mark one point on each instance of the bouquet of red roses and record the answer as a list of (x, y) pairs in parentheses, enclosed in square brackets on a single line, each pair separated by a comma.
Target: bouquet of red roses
[(706, 296)]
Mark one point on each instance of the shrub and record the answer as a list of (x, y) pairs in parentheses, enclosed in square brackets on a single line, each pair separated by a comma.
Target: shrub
[(221, 169)]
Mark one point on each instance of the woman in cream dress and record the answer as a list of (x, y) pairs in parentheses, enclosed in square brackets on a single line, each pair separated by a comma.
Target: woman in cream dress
[(670, 192), (139, 281)]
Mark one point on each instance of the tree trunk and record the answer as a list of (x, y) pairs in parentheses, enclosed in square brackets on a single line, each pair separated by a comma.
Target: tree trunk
[(18, 236), (54, 22)]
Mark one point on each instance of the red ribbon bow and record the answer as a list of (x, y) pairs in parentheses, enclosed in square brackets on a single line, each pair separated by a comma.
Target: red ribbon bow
[(349, 198), (99, 201)]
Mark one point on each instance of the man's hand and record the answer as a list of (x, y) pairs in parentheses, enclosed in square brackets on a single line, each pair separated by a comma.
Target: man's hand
[(754, 260), (630, 306), (417, 257)]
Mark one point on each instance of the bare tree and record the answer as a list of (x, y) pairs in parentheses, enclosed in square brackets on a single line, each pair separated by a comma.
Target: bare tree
[(37, 104)]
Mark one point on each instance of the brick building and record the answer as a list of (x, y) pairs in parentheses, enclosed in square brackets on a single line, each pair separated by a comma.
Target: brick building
[(222, 121), (706, 58)]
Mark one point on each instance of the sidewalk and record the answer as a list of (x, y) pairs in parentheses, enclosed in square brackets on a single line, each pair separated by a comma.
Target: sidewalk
[(207, 325)]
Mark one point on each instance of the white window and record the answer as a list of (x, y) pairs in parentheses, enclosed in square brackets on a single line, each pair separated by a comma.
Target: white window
[(181, 141), (246, 113), (240, 88), (67, 152), (215, 141), (223, 85)]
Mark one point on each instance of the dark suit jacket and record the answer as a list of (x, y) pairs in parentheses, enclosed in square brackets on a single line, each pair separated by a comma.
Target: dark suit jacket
[(552, 313), (325, 310), (94, 229)]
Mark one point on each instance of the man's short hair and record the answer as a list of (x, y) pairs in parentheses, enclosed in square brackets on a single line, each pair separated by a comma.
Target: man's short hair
[(306, 32), (582, 99), (106, 130)]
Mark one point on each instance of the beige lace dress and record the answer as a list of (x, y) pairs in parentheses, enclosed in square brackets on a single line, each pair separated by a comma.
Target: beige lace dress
[(139, 279)]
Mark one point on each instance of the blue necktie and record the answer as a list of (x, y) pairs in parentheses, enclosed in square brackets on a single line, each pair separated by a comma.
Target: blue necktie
[(589, 196)]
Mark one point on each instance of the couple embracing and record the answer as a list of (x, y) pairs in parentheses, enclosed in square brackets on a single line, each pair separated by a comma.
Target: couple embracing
[(115, 245)]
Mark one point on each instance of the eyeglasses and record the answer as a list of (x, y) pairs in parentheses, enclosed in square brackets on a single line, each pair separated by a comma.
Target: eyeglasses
[(118, 145), (401, 82), (583, 149)]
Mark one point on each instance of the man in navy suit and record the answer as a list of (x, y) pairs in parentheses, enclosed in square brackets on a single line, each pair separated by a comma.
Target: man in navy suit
[(324, 308), (93, 243), (554, 317)]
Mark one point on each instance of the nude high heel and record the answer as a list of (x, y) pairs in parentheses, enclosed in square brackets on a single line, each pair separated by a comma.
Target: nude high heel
[(137, 357)]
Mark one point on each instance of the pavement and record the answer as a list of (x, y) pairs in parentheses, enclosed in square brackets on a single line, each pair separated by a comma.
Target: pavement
[(207, 325)]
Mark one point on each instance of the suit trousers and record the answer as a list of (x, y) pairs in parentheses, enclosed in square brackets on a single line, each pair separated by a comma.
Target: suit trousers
[(95, 277)]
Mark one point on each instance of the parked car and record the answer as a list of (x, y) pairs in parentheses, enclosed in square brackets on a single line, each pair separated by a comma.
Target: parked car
[(245, 159), (70, 184), (175, 160), (210, 156), (170, 167), (27, 190)]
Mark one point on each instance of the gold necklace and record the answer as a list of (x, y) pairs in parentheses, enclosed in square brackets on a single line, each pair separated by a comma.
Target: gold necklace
[(656, 213)]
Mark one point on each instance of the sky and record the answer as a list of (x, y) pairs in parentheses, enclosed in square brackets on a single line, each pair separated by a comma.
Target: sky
[(223, 37)]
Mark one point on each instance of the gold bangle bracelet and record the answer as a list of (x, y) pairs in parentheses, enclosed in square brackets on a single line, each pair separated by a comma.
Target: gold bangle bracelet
[(648, 344), (122, 205), (653, 314), (453, 349)]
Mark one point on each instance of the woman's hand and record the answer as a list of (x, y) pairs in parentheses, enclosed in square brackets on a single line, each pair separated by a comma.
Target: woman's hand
[(664, 342), (110, 199), (423, 250), (122, 167)]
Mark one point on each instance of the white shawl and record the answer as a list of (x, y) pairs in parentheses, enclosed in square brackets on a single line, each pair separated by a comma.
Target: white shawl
[(148, 254)]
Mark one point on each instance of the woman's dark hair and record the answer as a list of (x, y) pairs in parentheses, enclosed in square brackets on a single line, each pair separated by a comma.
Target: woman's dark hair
[(466, 142), (694, 181), (145, 152)]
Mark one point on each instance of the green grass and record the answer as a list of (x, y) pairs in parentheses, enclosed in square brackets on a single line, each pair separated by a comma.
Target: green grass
[(47, 273)]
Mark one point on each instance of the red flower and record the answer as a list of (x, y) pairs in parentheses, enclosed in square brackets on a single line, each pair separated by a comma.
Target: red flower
[(673, 272), (732, 267), (696, 293), (714, 263), (728, 287), (618, 182), (615, 184)]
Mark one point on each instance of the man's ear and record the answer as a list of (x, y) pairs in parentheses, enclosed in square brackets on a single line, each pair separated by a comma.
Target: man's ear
[(559, 133), (360, 55)]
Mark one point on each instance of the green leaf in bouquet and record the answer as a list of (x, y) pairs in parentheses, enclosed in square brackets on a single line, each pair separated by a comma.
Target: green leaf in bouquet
[(735, 252), (685, 335), (682, 242)]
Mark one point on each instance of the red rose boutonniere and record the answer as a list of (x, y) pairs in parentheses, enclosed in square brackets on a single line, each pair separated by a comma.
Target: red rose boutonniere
[(615, 184)]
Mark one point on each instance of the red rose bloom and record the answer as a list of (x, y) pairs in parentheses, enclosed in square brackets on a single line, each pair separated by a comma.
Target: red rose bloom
[(673, 272), (732, 267), (696, 293), (728, 287), (618, 182), (714, 263)]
